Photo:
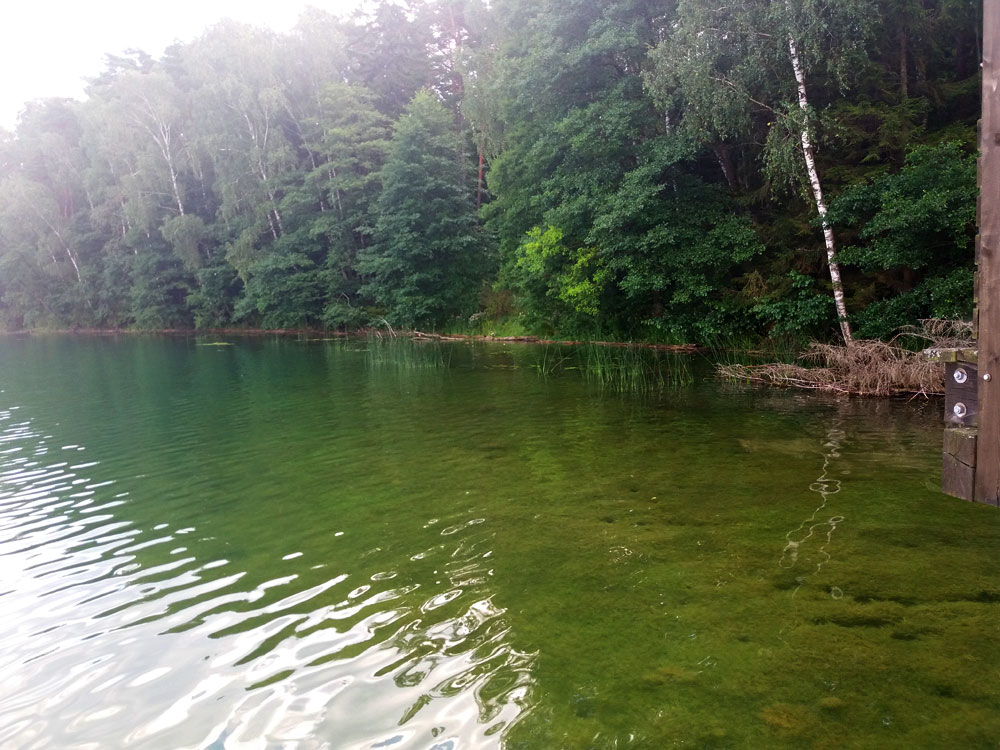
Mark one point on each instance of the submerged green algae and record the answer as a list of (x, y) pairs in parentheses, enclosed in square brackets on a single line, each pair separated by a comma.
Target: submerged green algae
[(698, 566)]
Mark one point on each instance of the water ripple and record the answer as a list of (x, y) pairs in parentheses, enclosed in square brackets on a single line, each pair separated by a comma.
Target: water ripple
[(122, 631)]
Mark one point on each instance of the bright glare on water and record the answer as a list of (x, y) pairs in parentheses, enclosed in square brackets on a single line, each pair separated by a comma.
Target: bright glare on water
[(278, 543)]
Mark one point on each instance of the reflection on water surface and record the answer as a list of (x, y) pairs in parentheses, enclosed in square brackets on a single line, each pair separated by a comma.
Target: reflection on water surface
[(291, 544)]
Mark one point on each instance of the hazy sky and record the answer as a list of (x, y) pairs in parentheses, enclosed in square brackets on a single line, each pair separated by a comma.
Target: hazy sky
[(47, 47)]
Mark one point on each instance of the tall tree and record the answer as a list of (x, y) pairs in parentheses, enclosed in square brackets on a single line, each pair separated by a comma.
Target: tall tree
[(351, 149), (145, 114), (240, 111), (47, 193), (759, 56), (389, 51), (426, 262)]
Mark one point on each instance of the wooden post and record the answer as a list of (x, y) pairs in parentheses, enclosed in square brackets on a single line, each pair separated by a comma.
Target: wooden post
[(961, 414), (988, 291)]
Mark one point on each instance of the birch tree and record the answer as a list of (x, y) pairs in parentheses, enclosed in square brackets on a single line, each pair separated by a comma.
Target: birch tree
[(240, 110), (35, 220), (728, 71), (44, 192), (149, 106), (809, 156)]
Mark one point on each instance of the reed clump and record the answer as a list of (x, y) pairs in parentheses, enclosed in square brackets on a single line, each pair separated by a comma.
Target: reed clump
[(865, 367), (633, 369), (396, 353), (624, 369)]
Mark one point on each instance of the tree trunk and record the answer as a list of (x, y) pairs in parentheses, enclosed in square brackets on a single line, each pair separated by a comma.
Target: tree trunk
[(332, 172), (904, 66), (270, 223), (279, 230), (68, 250), (65, 245), (173, 184), (817, 190), (479, 182), (725, 160)]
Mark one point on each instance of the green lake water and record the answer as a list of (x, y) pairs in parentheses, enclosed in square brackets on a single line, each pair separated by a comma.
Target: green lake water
[(281, 543)]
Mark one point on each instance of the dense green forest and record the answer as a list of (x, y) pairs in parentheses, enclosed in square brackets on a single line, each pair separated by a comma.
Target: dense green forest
[(677, 170)]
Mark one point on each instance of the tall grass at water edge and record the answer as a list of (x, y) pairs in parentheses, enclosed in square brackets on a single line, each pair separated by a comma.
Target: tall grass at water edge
[(629, 369), (403, 353), (746, 350)]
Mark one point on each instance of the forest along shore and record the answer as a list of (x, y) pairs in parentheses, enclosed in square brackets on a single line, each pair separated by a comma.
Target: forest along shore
[(615, 171)]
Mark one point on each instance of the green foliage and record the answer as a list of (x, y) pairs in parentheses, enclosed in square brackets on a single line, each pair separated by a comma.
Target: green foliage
[(427, 260), (212, 301), (673, 243), (160, 287), (782, 155), (390, 55), (112, 304), (796, 309), (185, 235), (31, 298), (659, 255), (944, 295), (915, 234), (637, 157), (558, 288), (340, 314), (351, 142), (286, 286), (921, 216)]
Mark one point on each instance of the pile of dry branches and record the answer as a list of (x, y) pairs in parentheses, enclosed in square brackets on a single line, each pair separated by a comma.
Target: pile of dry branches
[(865, 368)]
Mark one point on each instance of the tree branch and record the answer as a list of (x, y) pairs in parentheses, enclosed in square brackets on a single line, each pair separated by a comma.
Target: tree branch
[(737, 89)]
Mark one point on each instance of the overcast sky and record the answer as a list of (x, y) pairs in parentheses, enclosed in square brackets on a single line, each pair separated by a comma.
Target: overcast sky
[(47, 47)]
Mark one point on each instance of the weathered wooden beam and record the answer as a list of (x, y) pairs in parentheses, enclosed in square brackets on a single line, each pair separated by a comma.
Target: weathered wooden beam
[(958, 463), (964, 354), (988, 292)]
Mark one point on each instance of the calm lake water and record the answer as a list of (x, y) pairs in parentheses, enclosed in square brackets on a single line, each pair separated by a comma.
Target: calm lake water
[(282, 543)]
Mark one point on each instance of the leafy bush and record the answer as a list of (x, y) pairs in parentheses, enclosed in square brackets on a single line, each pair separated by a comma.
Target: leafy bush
[(915, 232), (160, 288)]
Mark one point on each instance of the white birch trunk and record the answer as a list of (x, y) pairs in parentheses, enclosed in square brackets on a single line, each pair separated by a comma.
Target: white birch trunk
[(270, 223), (260, 146), (159, 129), (277, 214), (66, 248), (173, 184), (168, 156), (76, 266), (69, 252), (817, 190)]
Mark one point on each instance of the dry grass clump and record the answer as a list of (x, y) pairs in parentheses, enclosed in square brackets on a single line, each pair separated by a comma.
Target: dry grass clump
[(865, 368), (942, 333)]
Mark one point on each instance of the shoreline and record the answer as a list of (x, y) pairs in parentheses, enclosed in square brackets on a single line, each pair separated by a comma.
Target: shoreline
[(319, 332)]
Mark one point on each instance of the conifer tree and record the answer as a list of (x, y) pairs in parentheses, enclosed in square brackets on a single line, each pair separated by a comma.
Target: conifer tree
[(426, 261)]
